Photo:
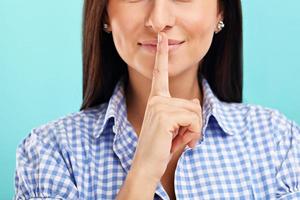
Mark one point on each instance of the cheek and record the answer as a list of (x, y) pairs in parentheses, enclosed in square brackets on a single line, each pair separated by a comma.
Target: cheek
[(123, 39), (201, 35)]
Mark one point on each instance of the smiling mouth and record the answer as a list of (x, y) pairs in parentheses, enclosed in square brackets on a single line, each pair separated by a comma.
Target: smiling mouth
[(153, 47), (153, 43)]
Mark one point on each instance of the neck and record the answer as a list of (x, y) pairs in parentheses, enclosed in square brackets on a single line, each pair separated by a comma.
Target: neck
[(184, 86)]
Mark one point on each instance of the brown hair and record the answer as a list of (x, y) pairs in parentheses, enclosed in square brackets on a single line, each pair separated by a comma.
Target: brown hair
[(222, 66)]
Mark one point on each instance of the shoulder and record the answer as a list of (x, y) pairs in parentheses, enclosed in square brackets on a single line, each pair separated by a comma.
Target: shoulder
[(261, 119), (62, 131), (49, 151), (273, 141), (52, 150)]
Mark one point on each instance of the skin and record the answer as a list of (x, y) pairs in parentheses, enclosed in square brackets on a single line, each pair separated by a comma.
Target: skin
[(132, 21), (166, 111)]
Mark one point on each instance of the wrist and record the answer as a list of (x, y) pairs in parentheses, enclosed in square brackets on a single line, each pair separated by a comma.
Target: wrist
[(143, 171), (142, 176), (137, 186)]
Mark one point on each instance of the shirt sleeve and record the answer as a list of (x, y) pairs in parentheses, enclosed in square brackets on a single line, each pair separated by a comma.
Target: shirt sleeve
[(42, 171), (288, 172)]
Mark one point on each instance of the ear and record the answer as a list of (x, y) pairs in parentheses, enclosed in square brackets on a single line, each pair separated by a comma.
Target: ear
[(220, 15), (106, 20)]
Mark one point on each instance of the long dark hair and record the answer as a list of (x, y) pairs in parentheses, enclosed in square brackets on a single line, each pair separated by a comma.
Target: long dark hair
[(222, 66)]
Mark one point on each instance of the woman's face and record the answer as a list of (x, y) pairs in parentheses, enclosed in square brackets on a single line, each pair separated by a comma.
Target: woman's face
[(135, 24)]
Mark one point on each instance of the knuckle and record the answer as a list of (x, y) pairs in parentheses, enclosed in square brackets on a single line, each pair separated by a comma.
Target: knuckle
[(187, 137), (153, 100), (197, 121), (195, 116), (164, 92), (197, 108), (155, 71), (163, 116), (157, 109), (198, 112)]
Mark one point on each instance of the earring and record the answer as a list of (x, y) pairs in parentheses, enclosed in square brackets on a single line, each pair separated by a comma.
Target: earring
[(220, 26), (105, 28)]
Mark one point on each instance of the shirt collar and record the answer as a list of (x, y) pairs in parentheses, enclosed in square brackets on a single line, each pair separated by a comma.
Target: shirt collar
[(116, 110), (224, 113)]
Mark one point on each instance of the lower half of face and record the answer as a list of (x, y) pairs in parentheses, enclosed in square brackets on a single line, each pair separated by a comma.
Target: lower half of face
[(182, 58)]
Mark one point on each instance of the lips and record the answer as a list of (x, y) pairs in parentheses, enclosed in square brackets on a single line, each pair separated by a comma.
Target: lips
[(151, 45), (154, 42)]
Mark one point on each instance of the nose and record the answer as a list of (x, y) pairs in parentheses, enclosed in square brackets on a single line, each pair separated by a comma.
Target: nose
[(160, 16)]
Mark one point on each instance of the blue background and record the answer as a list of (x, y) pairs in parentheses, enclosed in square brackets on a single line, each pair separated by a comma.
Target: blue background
[(40, 65)]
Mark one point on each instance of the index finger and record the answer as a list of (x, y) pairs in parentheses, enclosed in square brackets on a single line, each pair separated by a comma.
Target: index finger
[(160, 77)]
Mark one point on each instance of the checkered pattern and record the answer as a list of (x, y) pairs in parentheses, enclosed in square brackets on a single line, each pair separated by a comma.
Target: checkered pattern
[(248, 152)]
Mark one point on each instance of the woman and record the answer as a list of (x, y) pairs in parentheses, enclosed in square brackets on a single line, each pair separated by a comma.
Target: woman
[(162, 114)]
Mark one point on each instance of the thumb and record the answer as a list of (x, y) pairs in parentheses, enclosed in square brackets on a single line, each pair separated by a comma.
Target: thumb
[(196, 100)]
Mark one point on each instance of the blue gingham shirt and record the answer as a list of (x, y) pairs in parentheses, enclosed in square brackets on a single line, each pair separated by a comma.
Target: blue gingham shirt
[(248, 152)]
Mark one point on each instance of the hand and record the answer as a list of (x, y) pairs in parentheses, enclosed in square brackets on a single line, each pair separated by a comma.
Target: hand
[(169, 123)]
